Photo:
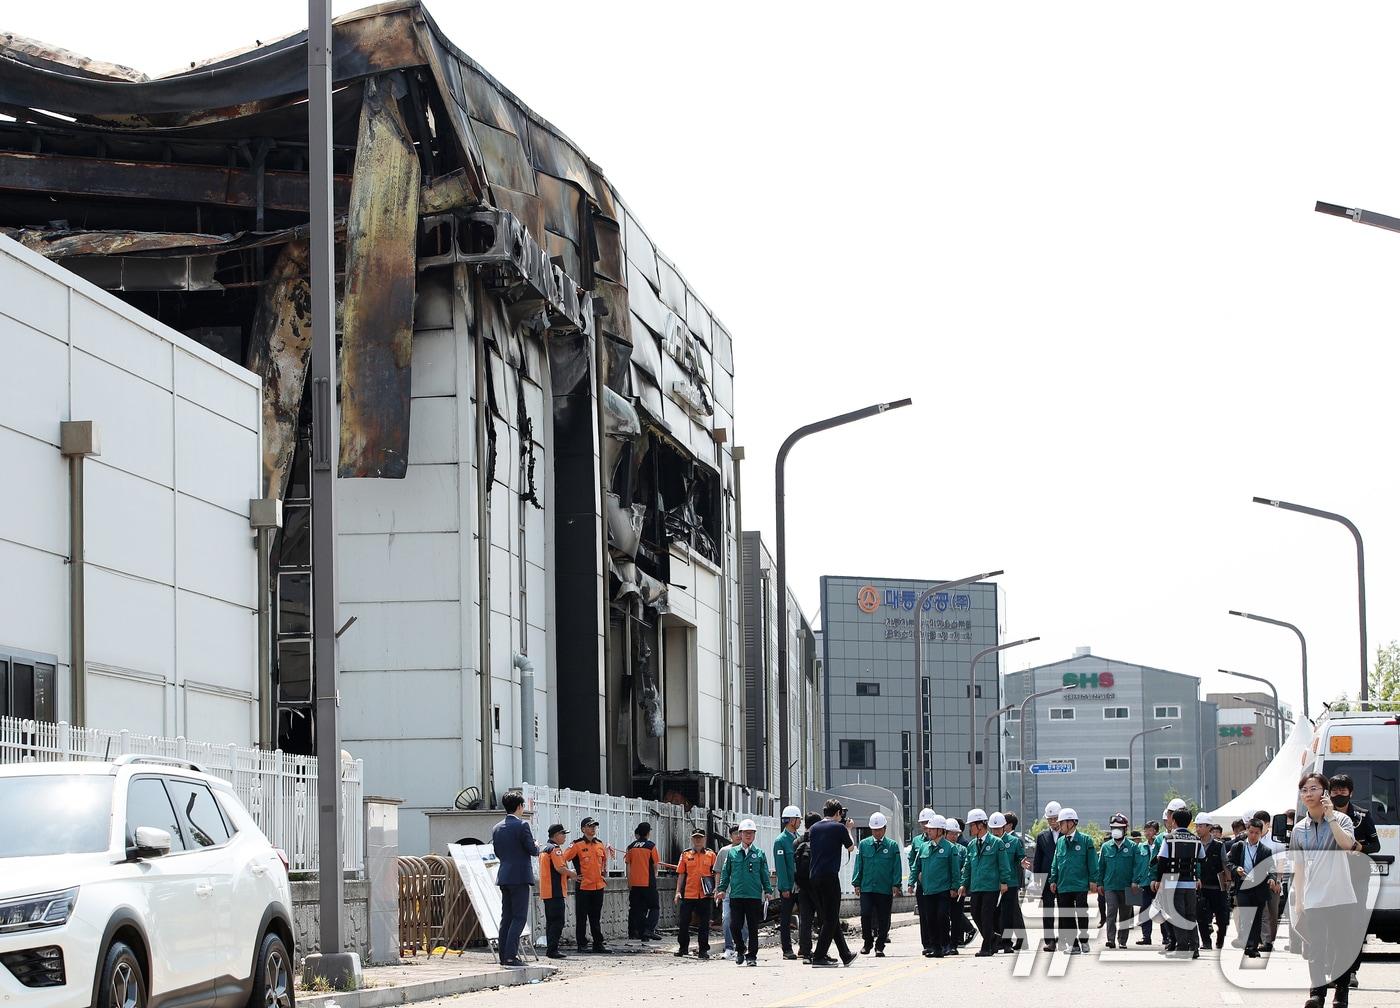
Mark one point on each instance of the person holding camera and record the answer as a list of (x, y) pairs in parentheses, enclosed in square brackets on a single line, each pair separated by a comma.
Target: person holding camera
[(830, 839)]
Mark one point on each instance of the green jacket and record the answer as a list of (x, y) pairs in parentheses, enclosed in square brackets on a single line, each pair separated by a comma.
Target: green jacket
[(1148, 872), (938, 868), (783, 862), (1119, 866), (984, 869), (745, 877), (1076, 864), (1013, 850), (918, 847), (878, 867)]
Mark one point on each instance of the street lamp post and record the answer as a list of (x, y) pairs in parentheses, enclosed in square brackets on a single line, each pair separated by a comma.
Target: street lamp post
[(924, 596), (1201, 791), (1302, 644), (781, 521), (1278, 710), (1131, 770), (987, 748), (1021, 740), (972, 712), (1360, 573)]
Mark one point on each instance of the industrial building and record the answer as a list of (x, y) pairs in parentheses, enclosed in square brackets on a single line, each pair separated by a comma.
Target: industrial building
[(871, 728), (536, 423), (1087, 732), (1249, 721)]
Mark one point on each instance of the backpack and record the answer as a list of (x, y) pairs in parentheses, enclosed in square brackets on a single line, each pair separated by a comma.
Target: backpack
[(802, 861)]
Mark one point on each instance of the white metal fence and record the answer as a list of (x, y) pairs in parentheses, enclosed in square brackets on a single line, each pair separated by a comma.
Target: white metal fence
[(278, 789)]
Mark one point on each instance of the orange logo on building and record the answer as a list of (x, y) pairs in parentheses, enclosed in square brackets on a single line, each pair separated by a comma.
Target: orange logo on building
[(868, 599)]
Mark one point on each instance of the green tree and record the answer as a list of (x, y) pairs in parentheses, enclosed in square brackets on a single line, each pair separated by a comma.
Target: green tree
[(1383, 680), (1191, 804)]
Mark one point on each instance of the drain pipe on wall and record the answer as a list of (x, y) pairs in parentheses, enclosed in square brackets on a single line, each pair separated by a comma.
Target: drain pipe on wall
[(527, 717), (77, 440), (265, 517)]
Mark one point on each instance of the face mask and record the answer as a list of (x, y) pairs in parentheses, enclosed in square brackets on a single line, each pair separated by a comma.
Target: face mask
[(1118, 834), (1341, 801)]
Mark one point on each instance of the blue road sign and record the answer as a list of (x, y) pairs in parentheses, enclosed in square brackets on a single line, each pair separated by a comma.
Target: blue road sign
[(1040, 768)]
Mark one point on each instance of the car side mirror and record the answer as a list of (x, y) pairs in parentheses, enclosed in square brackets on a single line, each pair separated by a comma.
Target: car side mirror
[(151, 842)]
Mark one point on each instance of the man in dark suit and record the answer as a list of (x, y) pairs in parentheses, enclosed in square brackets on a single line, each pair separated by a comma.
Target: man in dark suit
[(1040, 868), (1251, 865), (514, 845)]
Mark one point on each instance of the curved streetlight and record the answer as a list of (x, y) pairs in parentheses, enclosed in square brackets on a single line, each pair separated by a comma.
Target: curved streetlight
[(1131, 771), (1360, 573), (1278, 709), (1021, 738), (987, 748), (1302, 644), (924, 596), (781, 563), (972, 712), (1201, 799)]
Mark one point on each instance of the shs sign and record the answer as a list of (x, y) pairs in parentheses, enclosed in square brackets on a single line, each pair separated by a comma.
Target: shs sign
[(1088, 680), (1237, 731)]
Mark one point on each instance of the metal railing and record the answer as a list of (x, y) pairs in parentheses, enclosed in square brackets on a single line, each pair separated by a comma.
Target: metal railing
[(278, 789)]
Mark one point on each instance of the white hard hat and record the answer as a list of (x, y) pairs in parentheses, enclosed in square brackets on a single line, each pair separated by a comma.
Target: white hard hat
[(926, 815), (951, 825), (1070, 814), (996, 820), (1204, 820), (747, 825), (938, 822), (976, 815), (1176, 805), (878, 821), (1052, 810), (792, 812)]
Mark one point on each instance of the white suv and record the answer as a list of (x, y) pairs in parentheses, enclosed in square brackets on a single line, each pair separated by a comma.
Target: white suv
[(139, 883)]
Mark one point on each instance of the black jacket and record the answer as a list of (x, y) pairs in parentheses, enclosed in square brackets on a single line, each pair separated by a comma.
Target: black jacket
[(1263, 866), (1044, 851)]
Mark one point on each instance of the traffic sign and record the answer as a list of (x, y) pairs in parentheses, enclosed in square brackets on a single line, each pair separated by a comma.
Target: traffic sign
[(1042, 768)]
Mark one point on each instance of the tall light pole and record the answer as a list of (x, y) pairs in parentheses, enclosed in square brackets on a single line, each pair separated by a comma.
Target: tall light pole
[(333, 963), (972, 711), (924, 596), (987, 748), (1360, 216), (1201, 791), (781, 521), (1021, 738), (1302, 644), (1278, 710), (1132, 771), (1360, 573)]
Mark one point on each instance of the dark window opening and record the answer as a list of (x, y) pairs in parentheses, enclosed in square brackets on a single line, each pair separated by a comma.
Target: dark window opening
[(867, 689), (857, 754)]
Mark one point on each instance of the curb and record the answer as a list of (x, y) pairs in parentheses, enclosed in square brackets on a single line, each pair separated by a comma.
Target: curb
[(383, 997)]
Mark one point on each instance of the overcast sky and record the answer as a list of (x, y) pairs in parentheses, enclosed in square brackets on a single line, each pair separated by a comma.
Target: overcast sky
[(1082, 240)]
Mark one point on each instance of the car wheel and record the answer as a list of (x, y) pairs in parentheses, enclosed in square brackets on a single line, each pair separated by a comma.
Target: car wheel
[(273, 986), (123, 982)]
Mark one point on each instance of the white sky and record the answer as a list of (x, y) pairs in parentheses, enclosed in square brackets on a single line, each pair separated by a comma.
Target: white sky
[(1082, 240)]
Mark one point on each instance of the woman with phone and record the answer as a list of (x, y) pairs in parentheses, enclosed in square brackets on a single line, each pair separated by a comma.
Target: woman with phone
[(1323, 899)]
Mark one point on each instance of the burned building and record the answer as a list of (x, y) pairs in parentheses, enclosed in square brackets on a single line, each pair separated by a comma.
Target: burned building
[(536, 410)]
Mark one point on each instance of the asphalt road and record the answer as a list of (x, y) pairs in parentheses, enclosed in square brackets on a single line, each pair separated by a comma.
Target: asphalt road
[(904, 977)]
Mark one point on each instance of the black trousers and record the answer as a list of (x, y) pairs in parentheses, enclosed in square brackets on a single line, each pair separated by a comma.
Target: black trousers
[(588, 911), (1047, 913), (1254, 907), (698, 912), (875, 911), (1181, 926), (515, 909), (962, 929), (643, 911), (827, 890), (785, 921), (1212, 905), (1013, 922), (1074, 915), (936, 926), (985, 913), (1148, 899), (807, 918), (553, 923), (741, 912)]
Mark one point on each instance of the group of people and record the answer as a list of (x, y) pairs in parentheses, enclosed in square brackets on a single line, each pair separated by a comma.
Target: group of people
[(1185, 879)]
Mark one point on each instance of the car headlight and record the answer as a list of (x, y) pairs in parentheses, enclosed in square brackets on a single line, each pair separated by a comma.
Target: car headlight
[(30, 912)]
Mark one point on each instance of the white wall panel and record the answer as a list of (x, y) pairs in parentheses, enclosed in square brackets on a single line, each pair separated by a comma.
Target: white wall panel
[(217, 390), (33, 600), (218, 717), (208, 448), (129, 523), (434, 363), (401, 635), (409, 704), (117, 700), (33, 298), (38, 516), (130, 623), (104, 333), (406, 567), (425, 500), (33, 378), (134, 418), (422, 772), (204, 620), (432, 430), (215, 551)]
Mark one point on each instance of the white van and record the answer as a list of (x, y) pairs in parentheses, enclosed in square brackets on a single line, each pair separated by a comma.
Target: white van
[(1366, 745)]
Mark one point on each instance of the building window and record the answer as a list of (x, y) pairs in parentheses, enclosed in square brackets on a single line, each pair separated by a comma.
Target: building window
[(867, 689), (1013, 766), (1061, 713), (1168, 762), (28, 685), (979, 692), (1115, 763), (1014, 714), (979, 757), (1115, 713), (1166, 712), (857, 754)]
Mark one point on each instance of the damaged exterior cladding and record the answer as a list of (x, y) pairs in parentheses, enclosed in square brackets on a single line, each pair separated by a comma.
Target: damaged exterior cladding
[(504, 321)]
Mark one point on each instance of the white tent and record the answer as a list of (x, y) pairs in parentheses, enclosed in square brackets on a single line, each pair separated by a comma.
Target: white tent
[(1276, 790)]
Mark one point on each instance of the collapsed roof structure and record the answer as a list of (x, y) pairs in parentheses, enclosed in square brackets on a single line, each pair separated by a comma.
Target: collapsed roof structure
[(458, 209)]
